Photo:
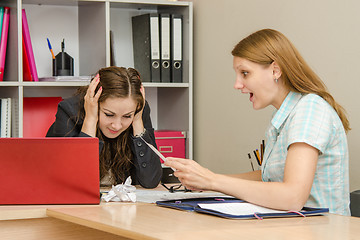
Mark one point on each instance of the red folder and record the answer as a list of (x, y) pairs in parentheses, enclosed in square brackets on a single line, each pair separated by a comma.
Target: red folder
[(28, 46), (39, 114), (26, 64)]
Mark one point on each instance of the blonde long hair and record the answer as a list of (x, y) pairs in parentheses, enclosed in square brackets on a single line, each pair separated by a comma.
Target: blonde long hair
[(267, 45)]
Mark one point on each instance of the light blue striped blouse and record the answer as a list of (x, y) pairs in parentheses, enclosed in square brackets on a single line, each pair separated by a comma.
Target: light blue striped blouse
[(310, 119)]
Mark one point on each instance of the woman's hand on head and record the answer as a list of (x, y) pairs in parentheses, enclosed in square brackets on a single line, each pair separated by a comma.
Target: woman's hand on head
[(91, 98), (91, 107), (191, 174)]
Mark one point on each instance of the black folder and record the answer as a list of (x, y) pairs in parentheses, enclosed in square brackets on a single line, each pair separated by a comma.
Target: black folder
[(165, 47), (176, 48), (146, 46), (192, 204)]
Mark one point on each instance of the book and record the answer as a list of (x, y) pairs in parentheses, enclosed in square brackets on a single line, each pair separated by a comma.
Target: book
[(26, 64), (5, 117), (1, 19), (229, 207), (28, 46), (3, 41)]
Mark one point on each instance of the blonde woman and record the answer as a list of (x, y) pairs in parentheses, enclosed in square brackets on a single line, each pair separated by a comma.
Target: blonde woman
[(306, 161)]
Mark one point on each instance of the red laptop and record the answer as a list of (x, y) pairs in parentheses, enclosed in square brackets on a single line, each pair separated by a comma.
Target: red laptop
[(49, 171)]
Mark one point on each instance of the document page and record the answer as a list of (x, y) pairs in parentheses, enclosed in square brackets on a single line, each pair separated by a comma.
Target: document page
[(151, 196), (242, 208)]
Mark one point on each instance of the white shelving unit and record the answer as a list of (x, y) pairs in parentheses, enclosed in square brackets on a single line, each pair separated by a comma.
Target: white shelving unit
[(86, 26)]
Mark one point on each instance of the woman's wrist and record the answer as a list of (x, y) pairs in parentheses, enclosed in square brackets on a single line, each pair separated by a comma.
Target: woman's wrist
[(89, 126), (138, 127), (140, 134)]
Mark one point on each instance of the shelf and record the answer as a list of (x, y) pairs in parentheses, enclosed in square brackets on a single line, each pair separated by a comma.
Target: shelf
[(86, 26), (83, 83)]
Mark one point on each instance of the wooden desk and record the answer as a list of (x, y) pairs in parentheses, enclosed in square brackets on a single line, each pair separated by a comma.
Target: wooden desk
[(49, 228), (148, 221)]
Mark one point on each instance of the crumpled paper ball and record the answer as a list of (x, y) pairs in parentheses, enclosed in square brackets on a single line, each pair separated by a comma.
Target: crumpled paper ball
[(124, 192)]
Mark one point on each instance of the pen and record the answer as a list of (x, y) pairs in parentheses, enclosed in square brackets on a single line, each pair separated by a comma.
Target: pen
[(156, 151), (252, 166), (50, 48), (257, 158)]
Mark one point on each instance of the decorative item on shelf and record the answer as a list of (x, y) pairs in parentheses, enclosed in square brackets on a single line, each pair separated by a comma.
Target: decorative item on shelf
[(63, 64)]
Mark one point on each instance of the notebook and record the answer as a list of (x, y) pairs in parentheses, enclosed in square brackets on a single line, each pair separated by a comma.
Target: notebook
[(49, 171), (229, 207)]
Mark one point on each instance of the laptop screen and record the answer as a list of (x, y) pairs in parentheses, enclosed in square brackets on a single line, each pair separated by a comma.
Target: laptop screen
[(49, 171)]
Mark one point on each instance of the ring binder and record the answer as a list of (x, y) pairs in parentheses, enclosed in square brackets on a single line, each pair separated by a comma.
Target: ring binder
[(146, 46), (176, 48), (165, 47)]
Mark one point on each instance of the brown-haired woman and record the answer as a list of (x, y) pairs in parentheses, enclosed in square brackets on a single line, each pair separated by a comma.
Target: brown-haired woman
[(306, 159), (113, 108)]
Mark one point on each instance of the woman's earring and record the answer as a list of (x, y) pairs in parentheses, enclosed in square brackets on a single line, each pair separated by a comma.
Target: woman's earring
[(276, 80)]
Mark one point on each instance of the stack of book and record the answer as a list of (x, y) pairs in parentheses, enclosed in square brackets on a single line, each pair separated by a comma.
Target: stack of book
[(29, 67)]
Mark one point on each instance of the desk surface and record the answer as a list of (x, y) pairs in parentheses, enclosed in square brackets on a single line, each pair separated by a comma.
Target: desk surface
[(148, 221)]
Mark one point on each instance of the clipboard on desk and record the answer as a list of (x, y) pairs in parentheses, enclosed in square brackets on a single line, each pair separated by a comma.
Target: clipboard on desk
[(233, 208)]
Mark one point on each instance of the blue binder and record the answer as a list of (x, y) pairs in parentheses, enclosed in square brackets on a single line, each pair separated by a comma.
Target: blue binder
[(192, 204)]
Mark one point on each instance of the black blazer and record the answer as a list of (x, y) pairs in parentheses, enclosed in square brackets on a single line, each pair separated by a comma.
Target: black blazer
[(146, 169)]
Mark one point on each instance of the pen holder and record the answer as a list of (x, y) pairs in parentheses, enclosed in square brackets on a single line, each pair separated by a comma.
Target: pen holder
[(63, 65)]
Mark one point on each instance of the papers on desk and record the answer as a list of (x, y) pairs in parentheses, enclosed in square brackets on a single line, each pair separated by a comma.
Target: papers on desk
[(152, 196), (238, 208), (128, 193)]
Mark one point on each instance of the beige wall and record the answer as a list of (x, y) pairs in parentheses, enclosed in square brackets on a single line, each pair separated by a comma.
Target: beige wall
[(326, 32)]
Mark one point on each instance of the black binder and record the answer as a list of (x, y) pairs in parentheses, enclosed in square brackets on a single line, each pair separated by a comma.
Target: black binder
[(192, 204), (165, 47), (176, 48), (146, 46)]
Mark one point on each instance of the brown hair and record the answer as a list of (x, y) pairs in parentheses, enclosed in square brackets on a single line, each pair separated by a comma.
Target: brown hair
[(119, 82), (268, 45)]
